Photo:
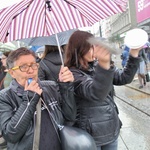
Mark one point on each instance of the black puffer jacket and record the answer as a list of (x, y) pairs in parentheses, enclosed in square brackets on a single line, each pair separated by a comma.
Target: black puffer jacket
[(17, 111), (96, 111)]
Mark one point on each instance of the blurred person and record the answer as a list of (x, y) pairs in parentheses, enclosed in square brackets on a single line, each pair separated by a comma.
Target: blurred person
[(97, 112), (18, 104), (50, 63), (141, 69), (7, 79), (39, 52), (147, 51), (124, 56), (2, 75)]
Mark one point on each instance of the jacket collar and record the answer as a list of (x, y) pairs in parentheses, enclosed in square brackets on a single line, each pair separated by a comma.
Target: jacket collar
[(16, 87)]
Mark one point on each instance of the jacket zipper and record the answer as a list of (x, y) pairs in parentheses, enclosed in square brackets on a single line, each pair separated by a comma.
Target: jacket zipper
[(24, 111)]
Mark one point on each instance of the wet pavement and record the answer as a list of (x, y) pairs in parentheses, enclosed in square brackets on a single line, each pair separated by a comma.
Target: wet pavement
[(138, 98), (135, 85), (134, 108), (135, 132), (134, 112)]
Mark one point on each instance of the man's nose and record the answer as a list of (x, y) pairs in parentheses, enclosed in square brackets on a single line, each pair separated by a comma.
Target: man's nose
[(30, 69)]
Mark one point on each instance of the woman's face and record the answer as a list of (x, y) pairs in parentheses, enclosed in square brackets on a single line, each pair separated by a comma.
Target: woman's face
[(20, 76), (3, 60), (89, 56)]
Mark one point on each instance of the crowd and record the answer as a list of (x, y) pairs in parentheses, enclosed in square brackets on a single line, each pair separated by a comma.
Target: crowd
[(143, 65), (79, 94)]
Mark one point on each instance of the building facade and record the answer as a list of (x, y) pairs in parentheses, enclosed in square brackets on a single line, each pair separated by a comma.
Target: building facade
[(136, 15)]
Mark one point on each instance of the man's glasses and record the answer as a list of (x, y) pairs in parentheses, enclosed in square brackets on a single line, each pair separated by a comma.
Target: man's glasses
[(25, 68)]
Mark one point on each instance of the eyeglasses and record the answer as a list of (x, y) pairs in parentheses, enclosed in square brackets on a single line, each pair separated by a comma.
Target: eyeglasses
[(25, 68)]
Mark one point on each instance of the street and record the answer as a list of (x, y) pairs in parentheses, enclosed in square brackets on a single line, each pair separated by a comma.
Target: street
[(134, 113)]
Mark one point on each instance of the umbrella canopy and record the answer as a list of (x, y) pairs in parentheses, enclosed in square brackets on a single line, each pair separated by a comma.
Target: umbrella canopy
[(63, 38), (7, 46), (34, 18)]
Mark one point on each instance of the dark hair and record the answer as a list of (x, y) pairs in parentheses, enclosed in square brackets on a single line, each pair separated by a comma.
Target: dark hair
[(6, 53), (15, 55), (77, 47), (64, 47), (48, 49)]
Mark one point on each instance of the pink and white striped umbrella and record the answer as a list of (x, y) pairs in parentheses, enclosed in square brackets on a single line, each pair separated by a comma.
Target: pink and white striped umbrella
[(36, 18)]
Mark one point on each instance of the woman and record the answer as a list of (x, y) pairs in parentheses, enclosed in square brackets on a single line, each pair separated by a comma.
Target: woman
[(141, 69), (125, 55), (2, 75), (7, 79), (96, 110), (18, 116), (50, 63)]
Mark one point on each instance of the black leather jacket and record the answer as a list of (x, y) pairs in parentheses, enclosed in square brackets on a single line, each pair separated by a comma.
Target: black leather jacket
[(17, 111), (96, 110)]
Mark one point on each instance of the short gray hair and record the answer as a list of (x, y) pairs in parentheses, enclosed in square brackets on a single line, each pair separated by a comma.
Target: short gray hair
[(16, 54)]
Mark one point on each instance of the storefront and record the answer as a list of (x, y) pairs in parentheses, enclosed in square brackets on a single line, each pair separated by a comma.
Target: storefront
[(143, 14)]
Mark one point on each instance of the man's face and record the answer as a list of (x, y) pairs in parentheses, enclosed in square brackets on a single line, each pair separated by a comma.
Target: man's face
[(22, 77)]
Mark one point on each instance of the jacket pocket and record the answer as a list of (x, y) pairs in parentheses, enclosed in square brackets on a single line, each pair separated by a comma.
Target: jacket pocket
[(102, 129)]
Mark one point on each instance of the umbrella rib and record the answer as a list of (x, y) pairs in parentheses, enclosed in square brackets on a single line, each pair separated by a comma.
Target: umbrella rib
[(17, 15), (22, 10), (70, 4), (77, 9)]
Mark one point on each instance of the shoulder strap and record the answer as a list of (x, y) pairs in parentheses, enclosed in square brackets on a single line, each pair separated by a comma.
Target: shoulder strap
[(36, 139)]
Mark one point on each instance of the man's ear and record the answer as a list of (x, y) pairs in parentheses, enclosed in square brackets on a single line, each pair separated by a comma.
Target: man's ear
[(11, 72)]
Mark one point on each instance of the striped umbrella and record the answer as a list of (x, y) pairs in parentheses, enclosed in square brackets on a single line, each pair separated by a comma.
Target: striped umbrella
[(34, 18)]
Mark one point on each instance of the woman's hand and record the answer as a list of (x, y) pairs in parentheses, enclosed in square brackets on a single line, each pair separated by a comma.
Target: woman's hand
[(135, 52), (103, 55), (34, 87), (65, 75)]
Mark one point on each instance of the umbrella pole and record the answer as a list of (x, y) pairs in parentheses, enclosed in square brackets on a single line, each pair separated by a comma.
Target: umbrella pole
[(60, 52)]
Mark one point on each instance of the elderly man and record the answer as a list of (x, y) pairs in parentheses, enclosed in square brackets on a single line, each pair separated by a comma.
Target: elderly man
[(19, 102)]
